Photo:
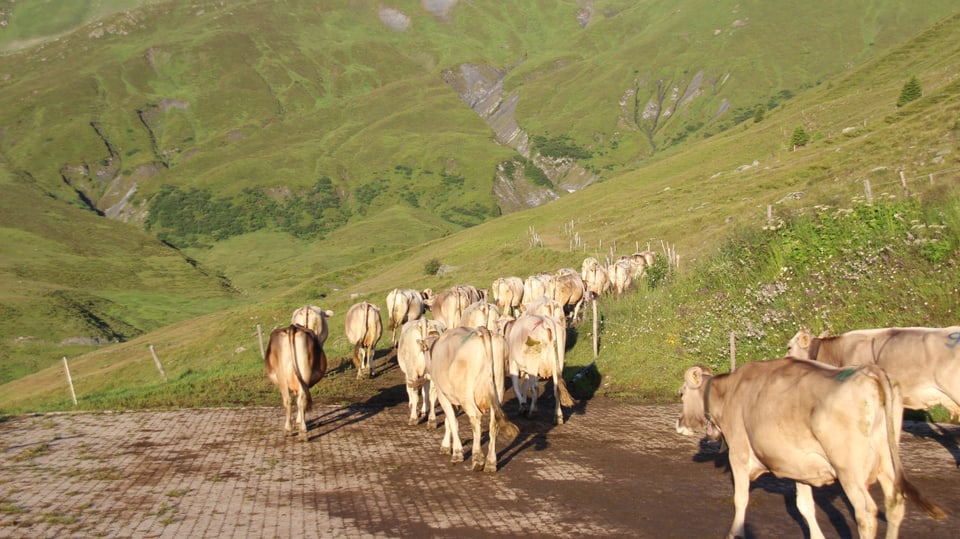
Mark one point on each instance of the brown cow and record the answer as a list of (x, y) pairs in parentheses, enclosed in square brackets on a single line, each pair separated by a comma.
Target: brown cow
[(809, 422), (924, 361), (536, 346), (295, 362), (313, 318), (364, 329), (466, 367)]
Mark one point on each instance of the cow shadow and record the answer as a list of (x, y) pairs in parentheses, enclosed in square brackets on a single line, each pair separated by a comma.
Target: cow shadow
[(830, 500), (534, 431), (944, 434)]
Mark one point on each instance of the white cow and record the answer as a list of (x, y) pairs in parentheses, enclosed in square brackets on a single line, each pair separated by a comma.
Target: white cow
[(536, 347), (480, 314), (413, 364), (313, 318), (364, 329), (508, 294), (466, 367), (403, 305)]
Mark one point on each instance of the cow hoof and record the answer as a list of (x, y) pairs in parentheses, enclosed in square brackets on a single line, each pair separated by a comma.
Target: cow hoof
[(478, 466), (490, 467), (456, 458), (413, 422), (559, 421), (445, 450)]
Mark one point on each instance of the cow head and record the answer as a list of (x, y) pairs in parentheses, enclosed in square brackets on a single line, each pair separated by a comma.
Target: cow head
[(799, 345), (693, 393)]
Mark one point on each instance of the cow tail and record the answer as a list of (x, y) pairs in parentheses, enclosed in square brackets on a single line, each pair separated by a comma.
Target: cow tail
[(508, 429), (393, 312), (901, 483), (296, 367), (565, 398)]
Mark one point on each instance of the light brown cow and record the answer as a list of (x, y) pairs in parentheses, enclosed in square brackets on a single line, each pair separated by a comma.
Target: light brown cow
[(481, 314), (924, 361), (568, 289), (621, 276), (403, 305), (295, 362), (466, 367), (536, 347), (313, 318), (595, 278), (448, 305), (545, 306), (413, 364), (364, 329), (508, 294), (535, 286), (809, 422)]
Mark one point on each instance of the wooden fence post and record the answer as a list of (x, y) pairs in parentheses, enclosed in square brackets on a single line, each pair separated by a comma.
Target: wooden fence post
[(260, 338), (596, 324), (903, 182), (157, 361), (867, 192), (733, 351), (73, 393)]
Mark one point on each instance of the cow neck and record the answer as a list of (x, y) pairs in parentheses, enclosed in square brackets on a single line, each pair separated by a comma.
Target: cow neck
[(706, 399), (814, 350)]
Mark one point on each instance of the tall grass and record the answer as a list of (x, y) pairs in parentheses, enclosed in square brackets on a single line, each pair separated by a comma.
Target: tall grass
[(892, 262)]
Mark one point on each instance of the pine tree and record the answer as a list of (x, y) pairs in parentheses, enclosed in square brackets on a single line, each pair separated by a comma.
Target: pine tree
[(800, 137), (911, 91)]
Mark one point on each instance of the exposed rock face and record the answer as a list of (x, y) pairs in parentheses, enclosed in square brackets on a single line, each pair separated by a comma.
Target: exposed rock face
[(481, 88)]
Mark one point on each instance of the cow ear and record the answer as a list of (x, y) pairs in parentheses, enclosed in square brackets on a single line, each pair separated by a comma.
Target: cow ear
[(803, 339), (328, 313), (694, 377)]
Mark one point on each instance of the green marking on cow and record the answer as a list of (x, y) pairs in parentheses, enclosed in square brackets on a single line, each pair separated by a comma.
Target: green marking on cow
[(846, 373)]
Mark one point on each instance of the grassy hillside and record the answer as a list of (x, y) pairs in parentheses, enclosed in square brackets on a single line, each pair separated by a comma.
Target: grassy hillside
[(826, 259)]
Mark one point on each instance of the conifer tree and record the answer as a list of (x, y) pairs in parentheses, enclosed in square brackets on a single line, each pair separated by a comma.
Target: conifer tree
[(799, 138), (911, 91)]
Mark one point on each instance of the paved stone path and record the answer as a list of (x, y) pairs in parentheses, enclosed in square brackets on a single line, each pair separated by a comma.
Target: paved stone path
[(613, 470)]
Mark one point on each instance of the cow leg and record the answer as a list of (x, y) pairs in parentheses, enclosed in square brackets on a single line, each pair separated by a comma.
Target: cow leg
[(532, 383), (301, 413), (808, 510), (413, 395), (477, 428), (358, 360), (490, 465), (370, 355), (894, 503), (741, 496), (285, 395), (558, 413), (518, 390), (431, 390), (451, 444), (864, 507)]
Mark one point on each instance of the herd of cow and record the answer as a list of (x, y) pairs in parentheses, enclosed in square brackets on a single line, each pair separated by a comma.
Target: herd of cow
[(831, 410)]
